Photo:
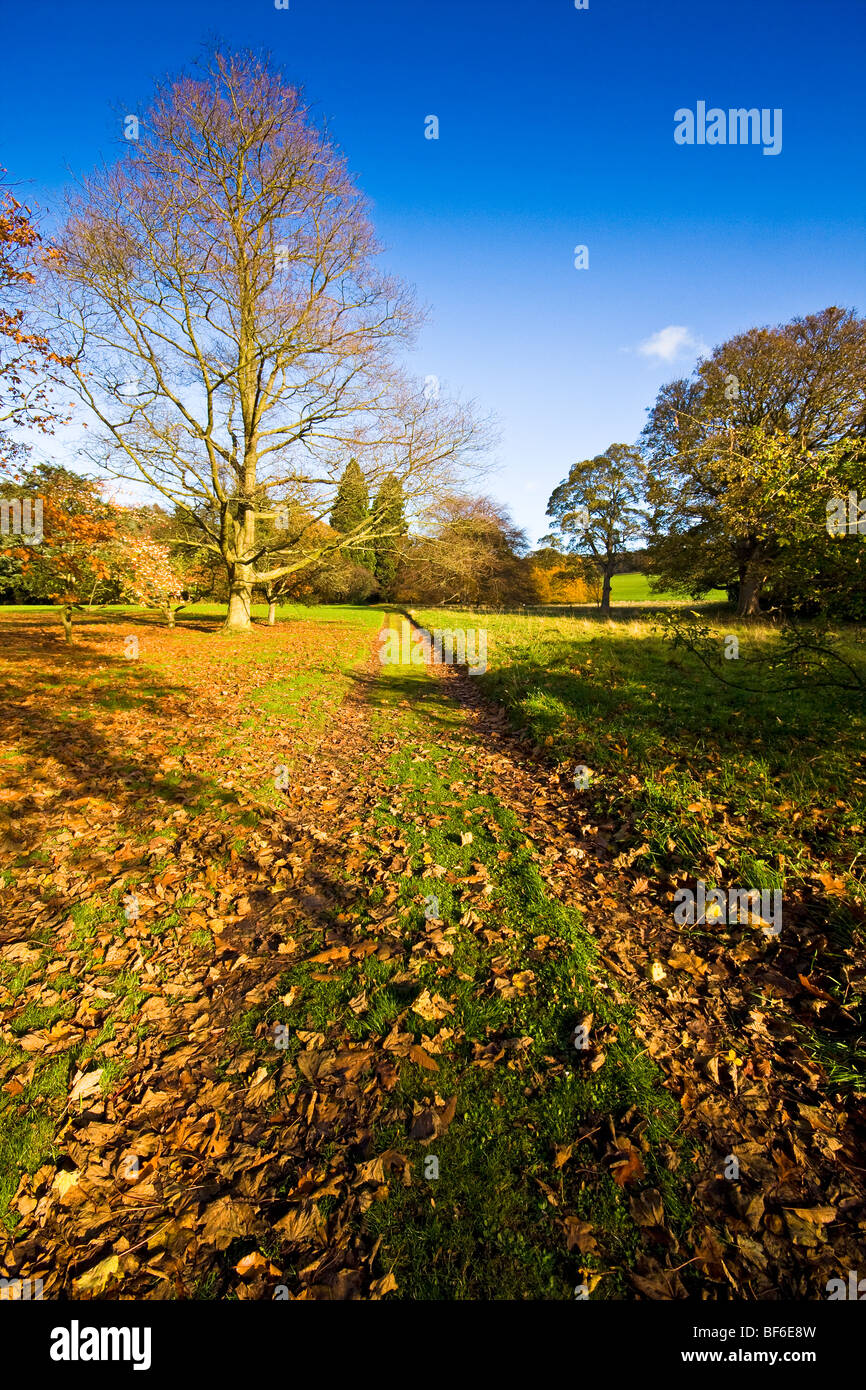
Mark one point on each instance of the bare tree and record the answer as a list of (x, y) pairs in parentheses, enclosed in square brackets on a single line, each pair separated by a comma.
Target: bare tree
[(230, 330), (470, 552)]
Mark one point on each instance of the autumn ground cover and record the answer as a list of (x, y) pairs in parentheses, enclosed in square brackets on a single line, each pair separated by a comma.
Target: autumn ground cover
[(295, 946), (691, 778)]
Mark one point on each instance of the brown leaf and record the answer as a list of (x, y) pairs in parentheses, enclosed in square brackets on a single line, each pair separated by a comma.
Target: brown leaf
[(431, 1121), (522, 980), (813, 989), (628, 1167), (378, 1170), (251, 1264), (226, 1220), (431, 1008), (647, 1208), (579, 1235), (423, 1059), (299, 1225), (262, 1088), (379, 1287), (97, 1279)]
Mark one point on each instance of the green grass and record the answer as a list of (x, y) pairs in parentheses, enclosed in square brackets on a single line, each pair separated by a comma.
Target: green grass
[(777, 777), (27, 1125), (698, 776), (751, 789), (286, 612), (636, 588), (295, 612)]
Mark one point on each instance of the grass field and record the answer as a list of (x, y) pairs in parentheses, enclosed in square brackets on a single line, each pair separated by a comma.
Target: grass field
[(286, 612), (635, 588), (616, 699), (625, 588)]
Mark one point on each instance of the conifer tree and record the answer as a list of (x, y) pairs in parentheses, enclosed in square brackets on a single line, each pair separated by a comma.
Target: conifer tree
[(352, 502), (389, 502)]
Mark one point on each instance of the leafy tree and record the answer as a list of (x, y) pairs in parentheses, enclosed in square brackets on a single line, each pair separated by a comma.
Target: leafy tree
[(559, 578), (342, 580), (27, 361), (352, 503), (472, 553), (350, 514), (152, 579), (742, 457), (78, 550), (597, 513), (290, 533), (808, 656)]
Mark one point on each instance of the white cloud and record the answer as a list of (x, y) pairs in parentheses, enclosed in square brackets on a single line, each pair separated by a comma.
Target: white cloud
[(670, 343)]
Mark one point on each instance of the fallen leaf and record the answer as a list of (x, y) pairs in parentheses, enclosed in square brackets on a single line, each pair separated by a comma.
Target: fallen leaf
[(97, 1279), (431, 1008)]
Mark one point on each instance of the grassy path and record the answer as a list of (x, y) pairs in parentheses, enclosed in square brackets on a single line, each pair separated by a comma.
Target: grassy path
[(535, 1144), (334, 1053)]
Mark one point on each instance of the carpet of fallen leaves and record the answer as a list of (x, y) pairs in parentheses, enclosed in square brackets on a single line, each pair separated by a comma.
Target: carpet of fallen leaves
[(155, 1178)]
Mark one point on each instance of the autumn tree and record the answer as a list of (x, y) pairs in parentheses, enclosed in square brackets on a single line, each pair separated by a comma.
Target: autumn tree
[(28, 365), (77, 549), (151, 578), (561, 578), (597, 512), (470, 552), (288, 535), (743, 455), (230, 330)]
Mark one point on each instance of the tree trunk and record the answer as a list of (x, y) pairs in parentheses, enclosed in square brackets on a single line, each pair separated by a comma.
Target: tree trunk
[(169, 617), (605, 593), (242, 576), (240, 602), (751, 582), (66, 619), (749, 604), (272, 611)]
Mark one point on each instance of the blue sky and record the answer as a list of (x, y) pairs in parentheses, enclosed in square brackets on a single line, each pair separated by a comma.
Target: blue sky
[(556, 130)]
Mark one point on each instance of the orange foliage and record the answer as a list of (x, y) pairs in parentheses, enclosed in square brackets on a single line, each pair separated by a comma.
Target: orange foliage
[(560, 584)]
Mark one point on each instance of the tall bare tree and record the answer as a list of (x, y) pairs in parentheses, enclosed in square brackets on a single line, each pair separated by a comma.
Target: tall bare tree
[(219, 294)]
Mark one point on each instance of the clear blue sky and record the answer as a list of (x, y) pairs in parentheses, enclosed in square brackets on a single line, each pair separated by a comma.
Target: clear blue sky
[(556, 129)]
